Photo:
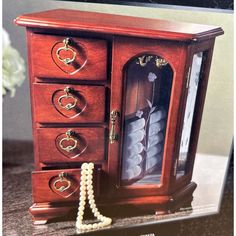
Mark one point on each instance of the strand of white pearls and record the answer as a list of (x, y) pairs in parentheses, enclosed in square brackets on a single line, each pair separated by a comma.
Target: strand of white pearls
[(86, 184)]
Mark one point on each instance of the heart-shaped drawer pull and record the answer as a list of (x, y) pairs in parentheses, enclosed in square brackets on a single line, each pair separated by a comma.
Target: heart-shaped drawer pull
[(69, 56), (63, 185), (68, 102), (71, 144), (65, 143), (66, 60), (68, 97)]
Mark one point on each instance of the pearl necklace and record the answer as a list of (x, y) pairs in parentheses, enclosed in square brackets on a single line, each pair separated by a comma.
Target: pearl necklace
[(86, 184)]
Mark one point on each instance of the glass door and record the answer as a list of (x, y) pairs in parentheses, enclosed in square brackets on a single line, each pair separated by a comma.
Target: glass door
[(148, 83)]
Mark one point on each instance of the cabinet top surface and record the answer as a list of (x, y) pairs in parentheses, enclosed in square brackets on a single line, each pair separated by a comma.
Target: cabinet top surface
[(65, 19)]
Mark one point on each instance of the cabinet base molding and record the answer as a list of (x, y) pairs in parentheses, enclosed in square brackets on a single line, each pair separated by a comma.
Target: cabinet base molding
[(43, 213)]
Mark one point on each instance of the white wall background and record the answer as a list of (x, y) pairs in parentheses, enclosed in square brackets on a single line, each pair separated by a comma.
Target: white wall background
[(217, 125)]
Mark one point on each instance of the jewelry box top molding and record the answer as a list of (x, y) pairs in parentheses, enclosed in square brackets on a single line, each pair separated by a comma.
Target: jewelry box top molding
[(65, 19)]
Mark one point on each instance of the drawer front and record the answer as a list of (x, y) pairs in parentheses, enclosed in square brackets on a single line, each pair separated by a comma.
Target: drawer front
[(70, 144), (60, 185), (84, 59), (68, 103)]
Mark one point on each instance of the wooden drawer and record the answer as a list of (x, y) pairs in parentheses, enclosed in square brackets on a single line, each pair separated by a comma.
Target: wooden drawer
[(90, 57), (84, 144), (68, 103), (60, 185)]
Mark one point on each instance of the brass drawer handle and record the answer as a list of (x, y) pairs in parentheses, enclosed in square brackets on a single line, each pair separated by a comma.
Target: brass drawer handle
[(64, 183), (68, 138), (66, 47), (113, 135), (67, 95)]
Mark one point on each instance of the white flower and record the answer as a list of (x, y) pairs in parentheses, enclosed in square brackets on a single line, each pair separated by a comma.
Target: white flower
[(151, 77), (5, 39), (13, 66)]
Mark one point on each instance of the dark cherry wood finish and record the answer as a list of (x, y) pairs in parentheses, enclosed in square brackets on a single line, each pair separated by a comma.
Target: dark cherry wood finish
[(170, 51), (104, 45), (44, 190), (90, 98), (90, 147), (119, 25), (91, 52)]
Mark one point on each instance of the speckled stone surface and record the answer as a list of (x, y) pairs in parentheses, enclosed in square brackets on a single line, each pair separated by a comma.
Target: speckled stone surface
[(17, 165)]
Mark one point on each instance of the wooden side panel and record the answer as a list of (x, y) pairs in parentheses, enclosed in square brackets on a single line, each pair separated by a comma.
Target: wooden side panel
[(207, 48)]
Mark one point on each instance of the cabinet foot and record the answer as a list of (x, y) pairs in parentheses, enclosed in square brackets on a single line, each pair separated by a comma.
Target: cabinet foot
[(181, 199), (40, 222), (43, 213)]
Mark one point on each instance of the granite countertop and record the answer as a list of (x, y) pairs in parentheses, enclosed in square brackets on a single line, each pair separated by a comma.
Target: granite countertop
[(18, 163)]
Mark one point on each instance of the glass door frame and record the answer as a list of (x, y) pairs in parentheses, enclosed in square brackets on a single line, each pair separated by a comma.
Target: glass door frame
[(147, 87), (176, 53)]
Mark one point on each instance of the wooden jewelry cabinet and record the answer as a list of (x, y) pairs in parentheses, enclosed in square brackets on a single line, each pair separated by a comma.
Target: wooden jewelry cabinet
[(122, 92)]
